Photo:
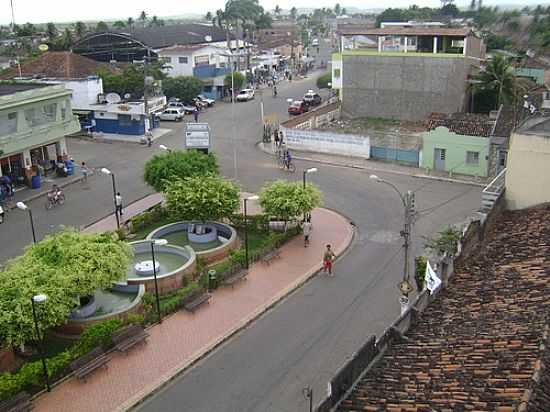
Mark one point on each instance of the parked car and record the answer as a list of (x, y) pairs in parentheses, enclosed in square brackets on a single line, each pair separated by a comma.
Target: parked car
[(185, 107), (312, 98), (174, 114), (298, 107), (245, 95), (209, 102), (315, 42)]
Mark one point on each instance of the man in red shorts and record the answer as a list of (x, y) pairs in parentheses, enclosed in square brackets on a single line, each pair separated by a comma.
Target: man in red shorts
[(328, 258)]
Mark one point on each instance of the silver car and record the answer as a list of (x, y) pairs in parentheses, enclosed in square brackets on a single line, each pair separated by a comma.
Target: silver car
[(174, 114)]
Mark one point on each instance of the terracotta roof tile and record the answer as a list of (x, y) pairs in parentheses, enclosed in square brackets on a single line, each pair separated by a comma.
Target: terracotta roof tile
[(483, 344), (466, 124)]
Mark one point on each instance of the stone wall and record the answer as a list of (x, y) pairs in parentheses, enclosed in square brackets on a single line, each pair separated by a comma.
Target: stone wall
[(405, 88)]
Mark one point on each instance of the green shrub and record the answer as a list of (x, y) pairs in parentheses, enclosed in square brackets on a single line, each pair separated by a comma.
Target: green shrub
[(323, 80), (420, 264), (237, 258), (98, 335)]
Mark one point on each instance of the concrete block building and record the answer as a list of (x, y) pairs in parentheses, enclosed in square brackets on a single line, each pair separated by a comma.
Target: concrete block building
[(412, 72)]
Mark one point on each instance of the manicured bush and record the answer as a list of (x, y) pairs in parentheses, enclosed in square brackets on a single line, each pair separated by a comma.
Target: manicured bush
[(164, 167), (287, 201), (323, 80)]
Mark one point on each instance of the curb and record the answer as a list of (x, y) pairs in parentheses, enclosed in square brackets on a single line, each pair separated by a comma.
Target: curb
[(44, 193), (262, 148), (202, 353)]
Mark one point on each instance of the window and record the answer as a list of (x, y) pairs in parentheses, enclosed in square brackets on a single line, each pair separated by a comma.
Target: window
[(472, 158), (8, 123), (183, 60), (166, 59), (457, 43), (337, 73), (202, 60), (65, 107), (124, 120)]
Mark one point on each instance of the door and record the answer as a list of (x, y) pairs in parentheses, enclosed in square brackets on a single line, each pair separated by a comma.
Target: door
[(501, 162), (439, 158)]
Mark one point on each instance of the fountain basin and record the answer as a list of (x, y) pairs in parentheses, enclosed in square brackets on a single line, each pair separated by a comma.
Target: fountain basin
[(145, 268), (214, 245)]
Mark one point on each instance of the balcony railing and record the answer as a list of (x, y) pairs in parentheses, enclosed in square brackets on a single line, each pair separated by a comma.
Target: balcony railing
[(493, 190)]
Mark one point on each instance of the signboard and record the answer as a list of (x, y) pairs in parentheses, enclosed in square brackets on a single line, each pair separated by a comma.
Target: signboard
[(197, 136), (431, 279)]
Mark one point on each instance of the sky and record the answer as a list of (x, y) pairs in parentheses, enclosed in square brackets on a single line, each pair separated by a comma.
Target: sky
[(41, 11)]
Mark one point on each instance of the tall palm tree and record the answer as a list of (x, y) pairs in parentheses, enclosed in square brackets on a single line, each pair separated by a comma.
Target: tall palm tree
[(500, 78), (130, 22), (293, 13), (51, 31), (208, 16), (80, 29), (143, 17), (278, 10)]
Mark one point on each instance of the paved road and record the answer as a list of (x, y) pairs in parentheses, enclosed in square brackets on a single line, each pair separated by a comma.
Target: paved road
[(304, 340)]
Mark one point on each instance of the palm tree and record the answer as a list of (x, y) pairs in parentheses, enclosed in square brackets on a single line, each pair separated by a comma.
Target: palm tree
[(154, 22), (51, 31), (337, 9), (293, 13), (68, 40), (208, 16), (499, 77), (143, 18), (278, 10), (130, 22), (80, 29)]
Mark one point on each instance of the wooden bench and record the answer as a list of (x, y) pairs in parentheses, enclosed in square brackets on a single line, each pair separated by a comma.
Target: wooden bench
[(88, 363), (19, 403), (235, 276), (195, 299), (269, 256), (128, 337)]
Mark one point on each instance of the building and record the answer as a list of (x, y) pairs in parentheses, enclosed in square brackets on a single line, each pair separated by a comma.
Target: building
[(206, 62), (405, 73), (34, 120), (528, 169), (535, 69)]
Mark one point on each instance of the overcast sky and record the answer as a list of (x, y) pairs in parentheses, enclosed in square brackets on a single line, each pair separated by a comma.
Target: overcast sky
[(40, 11)]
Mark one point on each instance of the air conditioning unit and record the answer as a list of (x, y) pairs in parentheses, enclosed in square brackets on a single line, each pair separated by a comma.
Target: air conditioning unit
[(101, 98)]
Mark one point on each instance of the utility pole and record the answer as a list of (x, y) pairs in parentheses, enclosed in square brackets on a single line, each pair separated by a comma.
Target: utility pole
[(405, 285), (145, 94)]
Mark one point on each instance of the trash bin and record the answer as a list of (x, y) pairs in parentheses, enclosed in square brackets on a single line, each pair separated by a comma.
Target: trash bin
[(35, 182), (212, 281), (70, 167)]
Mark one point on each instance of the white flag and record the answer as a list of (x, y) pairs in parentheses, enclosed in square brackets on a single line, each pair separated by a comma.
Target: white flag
[(431, 279)]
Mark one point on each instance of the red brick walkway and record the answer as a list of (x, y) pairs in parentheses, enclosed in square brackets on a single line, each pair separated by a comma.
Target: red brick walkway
[(183, 337)]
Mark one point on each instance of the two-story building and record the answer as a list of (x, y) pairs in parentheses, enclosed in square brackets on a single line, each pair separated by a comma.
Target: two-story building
[(34, 120), (406, 73), (208, 63)]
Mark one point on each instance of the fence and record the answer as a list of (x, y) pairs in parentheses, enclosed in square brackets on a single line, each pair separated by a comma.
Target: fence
[(366, 358), (407, 157)]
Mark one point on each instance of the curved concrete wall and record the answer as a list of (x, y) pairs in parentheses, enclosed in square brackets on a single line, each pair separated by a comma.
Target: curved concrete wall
[(208, 256)]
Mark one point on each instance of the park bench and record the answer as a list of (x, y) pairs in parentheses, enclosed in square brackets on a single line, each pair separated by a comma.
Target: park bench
[(19, 403), (88, 363), (235, 275), (271, 255), (129, 337), (195, 299)]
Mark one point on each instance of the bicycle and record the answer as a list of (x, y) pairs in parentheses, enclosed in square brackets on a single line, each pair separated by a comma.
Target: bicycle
[(288, 166), (52, 200)]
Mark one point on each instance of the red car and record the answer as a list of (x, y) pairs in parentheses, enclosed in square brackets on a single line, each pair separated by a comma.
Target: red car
[(298, 107)]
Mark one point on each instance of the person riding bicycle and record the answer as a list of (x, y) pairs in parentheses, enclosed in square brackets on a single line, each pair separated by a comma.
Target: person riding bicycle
[(55, 194)]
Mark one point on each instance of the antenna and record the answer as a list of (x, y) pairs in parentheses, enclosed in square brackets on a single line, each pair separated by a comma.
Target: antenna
[(113, 98)]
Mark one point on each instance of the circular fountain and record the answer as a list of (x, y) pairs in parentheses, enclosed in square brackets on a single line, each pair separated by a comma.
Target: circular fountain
[(146, 268), (210, 241)]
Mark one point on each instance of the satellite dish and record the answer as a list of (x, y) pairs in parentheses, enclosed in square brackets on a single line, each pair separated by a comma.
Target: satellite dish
[(43, 47), (127, 96), (112, 98), (207, 38)]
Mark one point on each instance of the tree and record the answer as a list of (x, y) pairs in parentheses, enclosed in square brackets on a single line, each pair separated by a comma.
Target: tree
[(277, 11), (130, 23), (101, 27), (450, 10), (499, 78), (201, 198), (178, 164), (143, 18), (344, 11), (28, 29), (119, 24), (51, 31), (288, 200), (80, 29), (63, 266), (238, 80), (182, 87), (156, 22), (67, 41), (293, 13), (209, 16), (473, 5), (337, 9)]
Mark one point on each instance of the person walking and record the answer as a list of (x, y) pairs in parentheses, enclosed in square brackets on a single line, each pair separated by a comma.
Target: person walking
[(118, 204), (276, 138), (84, 171), (328, 258), (306, 229), (196, 115)]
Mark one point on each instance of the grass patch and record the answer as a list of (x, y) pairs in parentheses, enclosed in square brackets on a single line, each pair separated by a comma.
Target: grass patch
[(142, 232)]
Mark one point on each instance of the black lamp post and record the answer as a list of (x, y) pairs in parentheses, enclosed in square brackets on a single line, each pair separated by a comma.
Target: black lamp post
[(159, 242), (23, 206), (246, 199), (108, 172), (38, 299)]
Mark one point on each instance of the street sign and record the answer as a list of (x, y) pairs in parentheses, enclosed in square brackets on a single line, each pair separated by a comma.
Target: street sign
[(405, 287), (197, 136)]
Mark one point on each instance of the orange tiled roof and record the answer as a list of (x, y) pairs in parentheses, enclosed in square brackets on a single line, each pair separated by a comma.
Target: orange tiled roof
[(480, 345), (466, 124)]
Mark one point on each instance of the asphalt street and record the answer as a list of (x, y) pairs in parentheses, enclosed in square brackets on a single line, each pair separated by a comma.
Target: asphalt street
[(302, 341)]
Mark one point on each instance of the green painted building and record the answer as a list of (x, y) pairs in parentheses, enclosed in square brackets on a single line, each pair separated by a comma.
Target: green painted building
[(34, 120), (458, 145)]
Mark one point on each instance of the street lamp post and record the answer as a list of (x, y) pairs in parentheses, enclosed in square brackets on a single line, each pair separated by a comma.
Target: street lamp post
[(308, 394), (38, 299), (157, 242), (408, 205), (306, 172), (246, 199), (106, 171), (23, 206), (165, 148)]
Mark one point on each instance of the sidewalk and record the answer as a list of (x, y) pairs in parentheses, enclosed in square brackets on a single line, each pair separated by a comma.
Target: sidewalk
[(183, 338), (376, 166)]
